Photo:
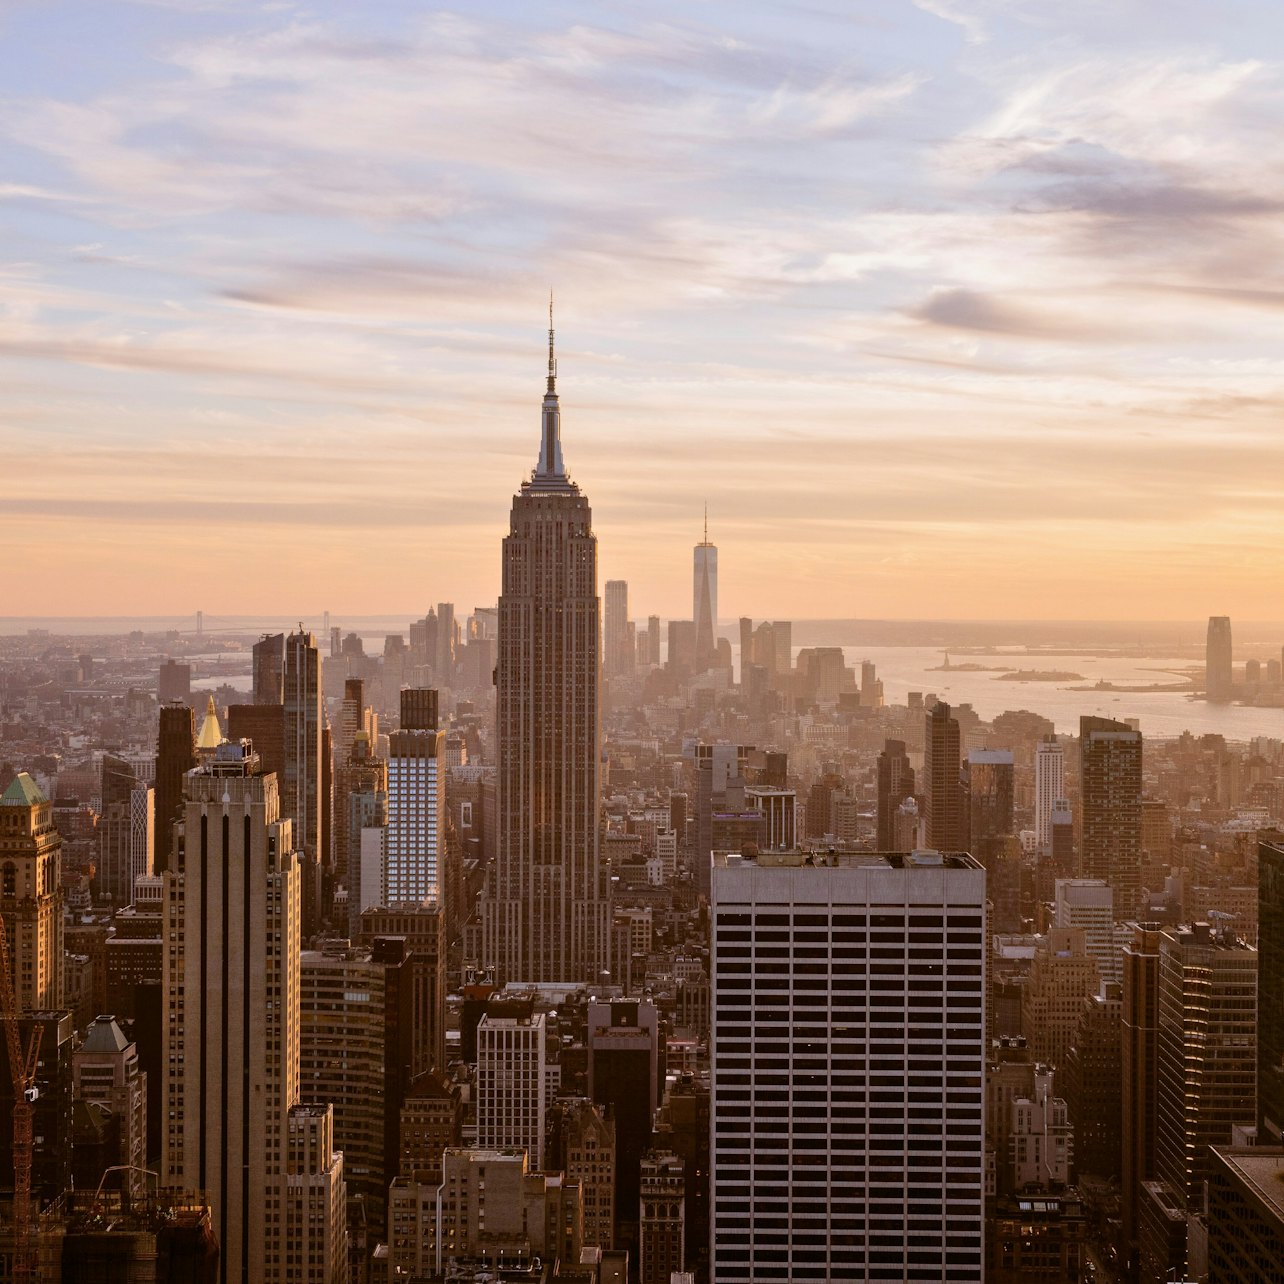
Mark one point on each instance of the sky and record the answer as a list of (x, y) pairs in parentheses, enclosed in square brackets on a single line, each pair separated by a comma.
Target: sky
[(947, 308)]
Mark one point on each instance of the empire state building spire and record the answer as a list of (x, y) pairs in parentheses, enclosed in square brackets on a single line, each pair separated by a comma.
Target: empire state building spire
[(550, 471)]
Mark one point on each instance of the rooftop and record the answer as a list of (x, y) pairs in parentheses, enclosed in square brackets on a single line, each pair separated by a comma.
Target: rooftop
[(22, 792), (827, 859), (1261, 1168)]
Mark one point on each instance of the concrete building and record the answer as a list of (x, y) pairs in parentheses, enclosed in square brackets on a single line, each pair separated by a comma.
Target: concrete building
[(31, 895), (1063, 977), (175, 756), (1245, 1214), (1089, 903), (943, 811), (1206, 1070), (895, 785), (1040, 1138), (231, 1027), (851, 1189), (1049, 786), (546, 911), (105, 1071), (1270, 1012), (581, 1144), (1139, 1033), (490, 1211), (415, 838), (618, 651), (356, 1033), (512, 1081), (1110, 808), (1218, 663), (662, 1218)]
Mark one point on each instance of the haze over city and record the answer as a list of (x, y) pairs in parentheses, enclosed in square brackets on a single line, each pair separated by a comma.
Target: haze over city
[(947, 309)]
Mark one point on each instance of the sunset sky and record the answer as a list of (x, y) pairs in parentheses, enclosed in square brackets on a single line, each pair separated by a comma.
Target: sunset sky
[(968, 308)]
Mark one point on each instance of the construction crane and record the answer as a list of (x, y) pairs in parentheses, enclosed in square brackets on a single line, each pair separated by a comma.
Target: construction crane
[(22, 1070)]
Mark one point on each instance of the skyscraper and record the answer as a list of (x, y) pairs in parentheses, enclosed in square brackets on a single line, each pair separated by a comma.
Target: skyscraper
[(705, 599), (231, 1019), (895, 784), (619, 652), (1218, 659), (1049, 785), (849, 1059), (1110, 799), (1270, 1012), (269, 669), (31, 894), (546, 915), (415, 841), (942, 792), (304, 716), (175, 755), (990, 784), (1206, 1057)]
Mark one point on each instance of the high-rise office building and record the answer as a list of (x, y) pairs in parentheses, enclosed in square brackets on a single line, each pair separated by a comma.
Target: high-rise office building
[(444, 664), (1049, 786), (653, 639), (704, 597), (988, 784), (355, 1052), (174, 682), (546, 914), (231, 1028), (618, 652), (849, 1062), (1139, 1029), (581, 1144), (1270, 1010), (1218, 659), (1206, 1051), (415, 839), (1110, 802), (423, 928), (719, 768), (895, 784), (105, 1070), (512, 1081), (269, 669), (31, 894), (304, 703), (1089, 903), (355, 718), (662, 1217), (942, 790), (175, 756), (126, 835), (365, 823)]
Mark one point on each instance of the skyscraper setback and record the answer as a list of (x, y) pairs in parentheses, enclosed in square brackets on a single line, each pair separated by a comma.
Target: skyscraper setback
[(546, 914)]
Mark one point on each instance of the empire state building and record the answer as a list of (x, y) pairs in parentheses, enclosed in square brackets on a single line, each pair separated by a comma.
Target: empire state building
[(546, 915)]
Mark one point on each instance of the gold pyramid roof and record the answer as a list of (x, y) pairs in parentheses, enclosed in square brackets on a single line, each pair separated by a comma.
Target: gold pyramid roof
[(211, 733)]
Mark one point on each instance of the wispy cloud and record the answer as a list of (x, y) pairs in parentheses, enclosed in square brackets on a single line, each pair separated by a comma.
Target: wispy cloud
[(962, 248)]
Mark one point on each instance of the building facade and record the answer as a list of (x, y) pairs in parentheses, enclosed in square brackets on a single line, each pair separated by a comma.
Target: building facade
[(546, 915), (849, 1062)]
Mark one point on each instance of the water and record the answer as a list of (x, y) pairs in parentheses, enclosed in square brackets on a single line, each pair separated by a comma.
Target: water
[(1161, 713)]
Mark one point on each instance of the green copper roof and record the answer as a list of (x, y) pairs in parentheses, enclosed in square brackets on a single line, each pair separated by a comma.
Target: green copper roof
[(22, 792)]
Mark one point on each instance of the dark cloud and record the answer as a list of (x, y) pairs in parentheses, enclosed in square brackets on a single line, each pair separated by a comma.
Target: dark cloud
[(959, 309)]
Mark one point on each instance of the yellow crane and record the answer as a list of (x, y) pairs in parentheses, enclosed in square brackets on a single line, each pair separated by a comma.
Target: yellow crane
[(22, 1070)]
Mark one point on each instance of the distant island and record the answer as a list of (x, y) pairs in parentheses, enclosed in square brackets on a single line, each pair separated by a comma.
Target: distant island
[(1039, 675)]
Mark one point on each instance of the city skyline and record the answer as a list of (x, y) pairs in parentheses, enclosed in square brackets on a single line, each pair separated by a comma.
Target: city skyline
[(832, 259)]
